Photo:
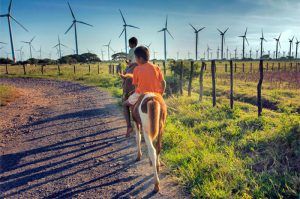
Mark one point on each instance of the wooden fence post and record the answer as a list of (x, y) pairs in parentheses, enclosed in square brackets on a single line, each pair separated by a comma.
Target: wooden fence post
[(58, 69), (243, 67), (74, 69), (231, 84), (6, 68), (267, 66), (235, 67), (226, 68), (261, 77), (24, 69), (291, 66), (251, 67), (181, 78), (89, 69), (42, 69), (213, 78), (201, 81), (98, 69), (190, 79), (165, 70)]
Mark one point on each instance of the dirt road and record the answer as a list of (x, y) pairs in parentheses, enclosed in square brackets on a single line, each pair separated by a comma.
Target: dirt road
[(65, 140)]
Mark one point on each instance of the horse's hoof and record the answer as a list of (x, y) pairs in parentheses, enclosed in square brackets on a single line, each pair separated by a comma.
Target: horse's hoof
[(156, 188), (138, 159)]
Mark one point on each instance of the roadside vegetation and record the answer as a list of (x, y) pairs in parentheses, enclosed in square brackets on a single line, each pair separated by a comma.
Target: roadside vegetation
[(218, 152), (7, 94)]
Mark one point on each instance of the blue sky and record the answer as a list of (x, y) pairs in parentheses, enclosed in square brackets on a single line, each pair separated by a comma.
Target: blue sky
[(45, 19)]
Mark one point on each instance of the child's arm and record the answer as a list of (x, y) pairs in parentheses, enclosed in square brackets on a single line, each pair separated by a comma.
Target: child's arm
[(163, 86)]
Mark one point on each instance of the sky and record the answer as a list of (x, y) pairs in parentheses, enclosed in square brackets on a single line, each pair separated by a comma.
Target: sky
[(46, 19)]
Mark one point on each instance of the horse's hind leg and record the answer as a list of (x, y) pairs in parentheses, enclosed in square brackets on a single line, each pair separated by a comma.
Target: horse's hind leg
[(153, 158), (138, 141)]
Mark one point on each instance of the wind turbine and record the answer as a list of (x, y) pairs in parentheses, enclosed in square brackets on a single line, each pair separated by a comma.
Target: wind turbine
[(277, 43), (58, 46), (291, 44), (154, 53), (244, 39), (218, 52), (297, 43), (235, 53), (208, 49), (30, 45), (102, 51), (165, 30), (148, 46), (262, 39), (196, 31), (75, 21), (227, 51), (125, 25), (222, 41), (21, 53), (108, 47), (9, 17), (40, 51)]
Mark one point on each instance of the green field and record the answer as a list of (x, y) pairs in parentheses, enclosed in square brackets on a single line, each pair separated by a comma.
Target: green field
[(218, 152)]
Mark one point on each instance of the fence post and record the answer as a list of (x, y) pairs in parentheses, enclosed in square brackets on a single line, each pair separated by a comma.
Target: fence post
[(190, 79), (251, 67), (226, 68), (24, 69), (42, 69), (267, 66), (235, 67), (98, 69), (213, 78), (231, 84), (89, 69), (291, 66), (261, 77), (201, 81), (74, 69), (181, 78), (273, 66), (243, 67), (165, 70), (6, 69), (58, 68)]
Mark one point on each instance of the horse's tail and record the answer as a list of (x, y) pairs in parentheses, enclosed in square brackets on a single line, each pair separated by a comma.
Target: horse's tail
[(154, 109)]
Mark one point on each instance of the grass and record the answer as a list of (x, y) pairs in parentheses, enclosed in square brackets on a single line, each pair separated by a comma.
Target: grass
[(7, 94), (217, 152)]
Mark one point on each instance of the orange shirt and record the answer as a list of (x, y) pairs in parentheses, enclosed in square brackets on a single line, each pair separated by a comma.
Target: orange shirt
[(147, 78)]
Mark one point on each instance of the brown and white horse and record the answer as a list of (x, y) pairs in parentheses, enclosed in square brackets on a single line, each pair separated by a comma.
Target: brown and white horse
[(149, 115)]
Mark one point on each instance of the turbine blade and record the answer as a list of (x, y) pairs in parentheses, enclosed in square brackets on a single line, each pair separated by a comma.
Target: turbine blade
[(85, 23), (9, 7), (18, 23), (246, 32), (133, 26), (122, 17), (220, 31), (201, 29), (160, 30), (279, 36), (166, 25), (170, 34), (3, 15), (55, 46), (193, 27), (2, 42), (265, 40), (26, 42), (32, 39), (71, 11), (69, 28), (262, 33), (226, 30), (64, 45), (122, 32), (247, 40)]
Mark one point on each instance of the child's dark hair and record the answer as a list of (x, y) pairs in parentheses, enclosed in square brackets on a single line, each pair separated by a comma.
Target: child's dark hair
[(133, 41), (142, 52)]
